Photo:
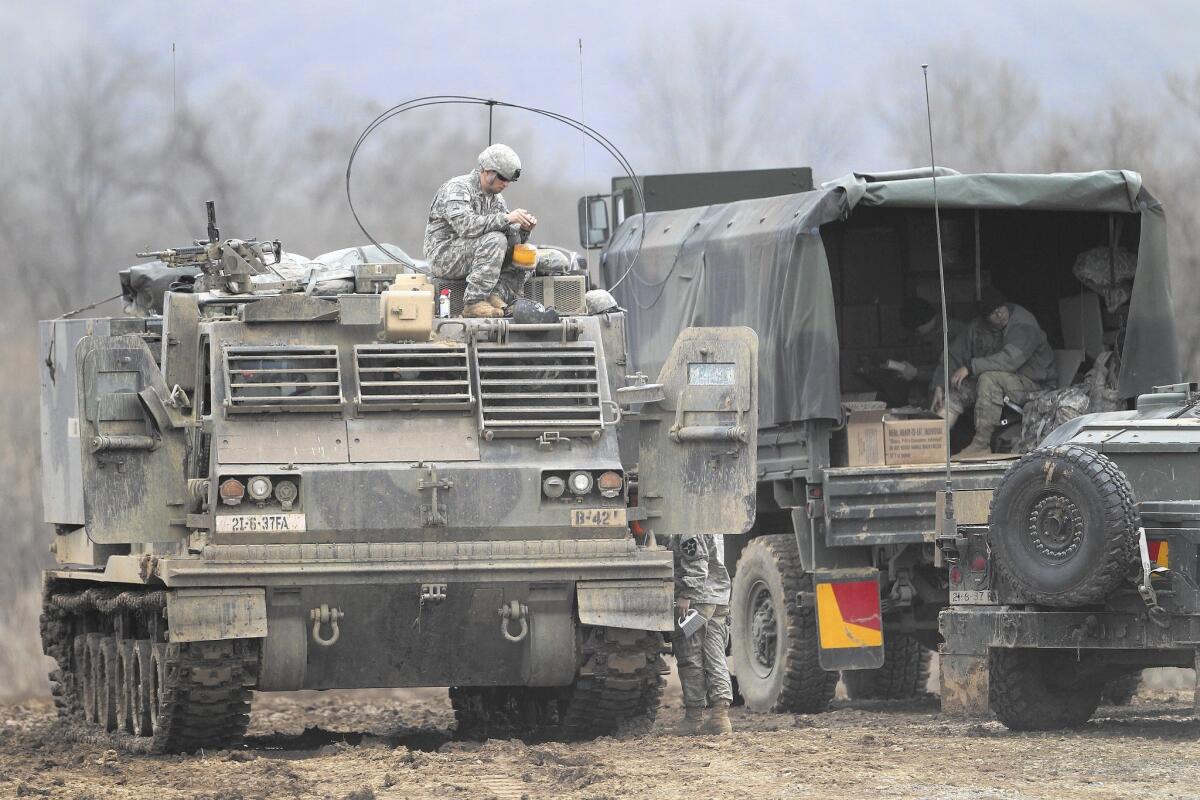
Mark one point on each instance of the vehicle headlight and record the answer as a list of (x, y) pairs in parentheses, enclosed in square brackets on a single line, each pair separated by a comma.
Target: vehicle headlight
[(580, 482), (259, 488)]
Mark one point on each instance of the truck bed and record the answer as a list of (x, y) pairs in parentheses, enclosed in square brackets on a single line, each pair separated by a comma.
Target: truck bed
[(895, 504)]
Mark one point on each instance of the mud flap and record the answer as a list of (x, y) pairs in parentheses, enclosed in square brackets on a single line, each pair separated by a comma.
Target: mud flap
[(133, 448), (698, 434), (849, 619), (635, 604), (202, 615), (963, 662)]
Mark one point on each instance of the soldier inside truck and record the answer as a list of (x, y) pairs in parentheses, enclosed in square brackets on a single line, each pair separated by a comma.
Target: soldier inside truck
[(1072, 270)]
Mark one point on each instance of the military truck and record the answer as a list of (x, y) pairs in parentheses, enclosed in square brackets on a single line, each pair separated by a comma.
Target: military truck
[(840, 571), (1081, 568), (263, 488)]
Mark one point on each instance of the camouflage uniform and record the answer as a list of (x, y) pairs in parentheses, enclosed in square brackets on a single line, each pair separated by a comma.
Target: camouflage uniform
[(468, 237), (701, 577), (1014, 361)]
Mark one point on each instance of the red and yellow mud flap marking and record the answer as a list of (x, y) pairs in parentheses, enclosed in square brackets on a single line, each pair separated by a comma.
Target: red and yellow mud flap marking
[(1159, 555), (849, 619)]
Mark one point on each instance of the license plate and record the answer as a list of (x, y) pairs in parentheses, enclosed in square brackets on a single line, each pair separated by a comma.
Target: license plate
[(597, 517), (968, 597), (260, 523)]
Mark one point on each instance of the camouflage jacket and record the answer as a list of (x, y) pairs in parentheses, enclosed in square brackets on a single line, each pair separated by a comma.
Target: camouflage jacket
[(462, 210), (700, 573), (1021, 348)]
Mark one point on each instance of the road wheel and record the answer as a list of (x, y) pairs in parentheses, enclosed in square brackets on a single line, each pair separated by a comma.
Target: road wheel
[(1034, 690), (1064, 526), (1120, 691), (904, 674), (774, 637)]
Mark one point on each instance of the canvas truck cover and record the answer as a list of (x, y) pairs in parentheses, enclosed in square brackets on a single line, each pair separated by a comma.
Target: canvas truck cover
[(762, 263)]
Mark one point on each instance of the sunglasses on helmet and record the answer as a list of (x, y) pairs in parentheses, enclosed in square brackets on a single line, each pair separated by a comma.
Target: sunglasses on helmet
[(505, 178)]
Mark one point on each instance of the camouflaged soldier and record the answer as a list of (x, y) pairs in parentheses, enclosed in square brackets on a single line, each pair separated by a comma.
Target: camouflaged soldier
[(470, 232), (1002, 353), (702, 583)]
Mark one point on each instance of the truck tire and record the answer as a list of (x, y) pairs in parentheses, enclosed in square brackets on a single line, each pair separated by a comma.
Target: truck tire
[(774, 637), (1031, 690), (1064, 526), (1120, 691), (904, 674)]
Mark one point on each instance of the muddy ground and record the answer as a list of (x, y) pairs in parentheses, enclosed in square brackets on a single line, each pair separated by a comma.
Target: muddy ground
[(401, 745)]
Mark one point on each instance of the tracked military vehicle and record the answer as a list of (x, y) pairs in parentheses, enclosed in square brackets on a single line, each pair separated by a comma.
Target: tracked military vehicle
[(1081, 568), (266, 489)]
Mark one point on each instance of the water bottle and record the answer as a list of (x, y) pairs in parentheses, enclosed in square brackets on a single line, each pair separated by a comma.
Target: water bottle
[(444, 303)]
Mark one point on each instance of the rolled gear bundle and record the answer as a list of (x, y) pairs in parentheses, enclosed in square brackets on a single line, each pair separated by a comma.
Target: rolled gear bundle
[(1108, 272)]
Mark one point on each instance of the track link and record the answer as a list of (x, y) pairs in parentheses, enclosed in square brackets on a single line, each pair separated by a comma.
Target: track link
[(136, 694), (618, 682)]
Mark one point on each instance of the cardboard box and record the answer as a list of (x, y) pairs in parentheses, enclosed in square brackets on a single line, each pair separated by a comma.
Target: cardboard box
[(914, 441), (864, 438)]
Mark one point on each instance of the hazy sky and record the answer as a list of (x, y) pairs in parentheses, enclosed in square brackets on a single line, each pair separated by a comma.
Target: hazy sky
[(527, 52)]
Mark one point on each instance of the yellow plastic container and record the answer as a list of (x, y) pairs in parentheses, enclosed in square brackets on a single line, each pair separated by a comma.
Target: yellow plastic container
[(525, 255)]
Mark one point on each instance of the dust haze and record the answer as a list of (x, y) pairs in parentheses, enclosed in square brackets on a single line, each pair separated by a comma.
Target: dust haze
[(102, 158)]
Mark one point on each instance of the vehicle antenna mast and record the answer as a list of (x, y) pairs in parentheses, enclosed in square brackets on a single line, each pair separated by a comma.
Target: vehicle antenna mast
[(948, 523), (587, 207)]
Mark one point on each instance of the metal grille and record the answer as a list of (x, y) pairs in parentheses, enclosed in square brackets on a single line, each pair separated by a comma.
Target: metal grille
[(535, 290), (282, 378), (412, 377), (565, 294), (533, 388)]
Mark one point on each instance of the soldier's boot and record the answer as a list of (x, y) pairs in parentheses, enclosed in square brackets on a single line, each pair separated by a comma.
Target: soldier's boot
[(496, 302), (482, 308), (980, 447), (718, 723), (692, 722)]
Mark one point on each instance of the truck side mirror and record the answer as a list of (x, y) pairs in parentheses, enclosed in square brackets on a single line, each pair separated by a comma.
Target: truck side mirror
[(593, 221)]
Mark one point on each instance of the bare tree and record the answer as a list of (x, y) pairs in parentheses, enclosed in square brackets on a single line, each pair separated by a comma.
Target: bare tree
[(984, 110), (715, 98)]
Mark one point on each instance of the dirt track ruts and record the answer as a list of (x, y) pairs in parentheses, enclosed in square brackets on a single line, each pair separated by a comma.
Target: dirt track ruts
[(399, 745)]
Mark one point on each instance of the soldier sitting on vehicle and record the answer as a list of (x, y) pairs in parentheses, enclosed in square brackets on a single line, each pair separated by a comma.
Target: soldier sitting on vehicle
[(702, 583), (1002, 353), (923, 322), (470, 233)]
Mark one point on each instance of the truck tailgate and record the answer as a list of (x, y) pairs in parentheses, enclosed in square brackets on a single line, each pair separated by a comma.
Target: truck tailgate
[(895, 504)]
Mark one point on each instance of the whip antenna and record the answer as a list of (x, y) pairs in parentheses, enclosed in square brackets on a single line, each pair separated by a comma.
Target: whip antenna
[(587, 207), (949, 524)]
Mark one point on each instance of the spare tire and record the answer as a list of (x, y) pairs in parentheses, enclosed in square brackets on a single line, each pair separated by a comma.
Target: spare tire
[(1064, 526)]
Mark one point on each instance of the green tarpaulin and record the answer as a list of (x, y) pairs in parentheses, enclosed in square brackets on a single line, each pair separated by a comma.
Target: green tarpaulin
[(762, 263)]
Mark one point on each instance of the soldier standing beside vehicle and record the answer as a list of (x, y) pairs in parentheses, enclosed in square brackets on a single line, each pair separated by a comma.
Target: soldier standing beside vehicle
[(702, 583), (470, 233), (1002, 353)]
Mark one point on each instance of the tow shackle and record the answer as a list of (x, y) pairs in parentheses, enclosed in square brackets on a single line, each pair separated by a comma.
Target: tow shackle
[(510, 611), (319, 617)]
